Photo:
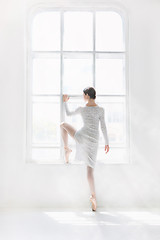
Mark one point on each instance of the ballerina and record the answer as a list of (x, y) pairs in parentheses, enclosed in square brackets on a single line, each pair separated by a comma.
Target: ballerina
[(87, 138)]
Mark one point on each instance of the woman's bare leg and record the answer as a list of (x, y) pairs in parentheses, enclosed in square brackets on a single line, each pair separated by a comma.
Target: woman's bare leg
[(91, 180), (66, 129)]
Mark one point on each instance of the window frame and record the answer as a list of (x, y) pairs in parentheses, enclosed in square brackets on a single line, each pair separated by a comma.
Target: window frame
[(36, 9)]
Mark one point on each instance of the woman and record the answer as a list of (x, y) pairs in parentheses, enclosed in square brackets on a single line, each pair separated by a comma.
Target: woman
[(87, 138)]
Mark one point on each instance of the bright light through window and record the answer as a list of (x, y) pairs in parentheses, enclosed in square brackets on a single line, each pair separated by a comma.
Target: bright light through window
[(46, 31), (109, 32), (78, 31), (68, 51)]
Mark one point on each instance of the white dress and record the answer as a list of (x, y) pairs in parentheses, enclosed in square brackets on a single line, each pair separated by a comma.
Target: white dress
[(87, 138)]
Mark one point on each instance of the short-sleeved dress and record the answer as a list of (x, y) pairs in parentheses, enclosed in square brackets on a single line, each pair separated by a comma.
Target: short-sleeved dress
[(87, 138)]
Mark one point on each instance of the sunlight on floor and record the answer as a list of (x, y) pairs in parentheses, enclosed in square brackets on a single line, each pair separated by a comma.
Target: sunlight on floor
[(61, 225), (89, 218)]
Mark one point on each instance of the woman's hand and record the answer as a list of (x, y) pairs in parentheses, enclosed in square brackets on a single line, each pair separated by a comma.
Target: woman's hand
[(65, 98), (106, 148)]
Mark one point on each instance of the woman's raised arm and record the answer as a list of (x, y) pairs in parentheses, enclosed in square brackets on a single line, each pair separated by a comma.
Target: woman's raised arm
[(69, 113)]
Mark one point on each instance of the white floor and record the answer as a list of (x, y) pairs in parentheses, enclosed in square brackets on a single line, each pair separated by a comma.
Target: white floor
[(79, 224)]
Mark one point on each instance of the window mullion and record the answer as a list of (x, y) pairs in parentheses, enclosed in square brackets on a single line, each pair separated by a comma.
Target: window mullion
[(94, 35), (61, 79)]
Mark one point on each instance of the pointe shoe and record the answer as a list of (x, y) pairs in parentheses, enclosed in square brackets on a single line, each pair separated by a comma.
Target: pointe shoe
[(67, 152), (94, 204)]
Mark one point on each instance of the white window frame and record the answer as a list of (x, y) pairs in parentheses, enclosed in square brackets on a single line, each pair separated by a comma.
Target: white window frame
[(35, 9)]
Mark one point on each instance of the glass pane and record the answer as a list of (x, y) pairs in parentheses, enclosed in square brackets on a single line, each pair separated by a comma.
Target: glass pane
[(46, 76), (46, 155), (77, 75), (110, 76), (46, 31), (75, 120), (109, 31), (78, 31), (45, 122), (115, 118)]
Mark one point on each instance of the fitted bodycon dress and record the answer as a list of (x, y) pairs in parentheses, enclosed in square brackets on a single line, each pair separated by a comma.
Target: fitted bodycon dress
[(87, 137)]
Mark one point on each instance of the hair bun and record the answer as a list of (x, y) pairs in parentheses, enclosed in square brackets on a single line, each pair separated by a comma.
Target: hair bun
[(90, 91)]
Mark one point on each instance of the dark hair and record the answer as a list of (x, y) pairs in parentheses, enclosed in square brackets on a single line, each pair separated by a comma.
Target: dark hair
[(90, 91)]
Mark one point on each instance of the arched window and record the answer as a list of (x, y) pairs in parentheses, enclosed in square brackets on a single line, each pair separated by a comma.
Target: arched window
[(69, 49)]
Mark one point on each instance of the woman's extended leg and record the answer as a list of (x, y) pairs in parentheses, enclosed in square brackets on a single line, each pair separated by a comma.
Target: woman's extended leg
[(92, 187), (66, 129), (91, 180)]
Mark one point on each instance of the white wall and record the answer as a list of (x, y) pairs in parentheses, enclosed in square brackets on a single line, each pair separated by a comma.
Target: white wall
[(31, 185)]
